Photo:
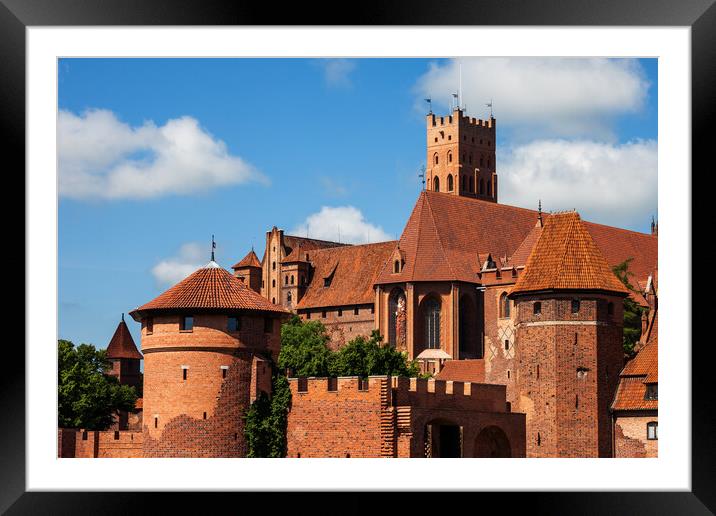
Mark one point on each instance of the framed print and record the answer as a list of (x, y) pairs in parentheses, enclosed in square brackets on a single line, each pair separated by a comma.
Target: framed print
[(431, 233)]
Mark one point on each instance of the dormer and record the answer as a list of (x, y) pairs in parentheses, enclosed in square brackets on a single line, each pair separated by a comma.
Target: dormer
[(397, 261)]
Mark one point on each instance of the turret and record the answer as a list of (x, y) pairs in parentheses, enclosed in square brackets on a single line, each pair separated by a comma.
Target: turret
[(248, 270), (202, 339)]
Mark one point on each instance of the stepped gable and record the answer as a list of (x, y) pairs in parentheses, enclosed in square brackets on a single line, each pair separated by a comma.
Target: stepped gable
[(210, 288), (122, 344), (445, 234), (352, 271), (250, 260), (566, 257), (641, 370)]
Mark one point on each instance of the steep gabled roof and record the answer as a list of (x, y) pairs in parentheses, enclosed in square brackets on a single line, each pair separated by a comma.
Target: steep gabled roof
[(641, 370), (122, 344), (566, 257), (250, 260), (352, 271), (463, 371), (209, 288)]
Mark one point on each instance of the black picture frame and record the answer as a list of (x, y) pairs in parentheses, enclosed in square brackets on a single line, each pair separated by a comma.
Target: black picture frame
[(700, 15)]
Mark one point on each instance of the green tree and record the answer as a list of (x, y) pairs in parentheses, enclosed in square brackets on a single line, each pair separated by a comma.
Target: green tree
[(305, 352), (87, 397), (632, 310)]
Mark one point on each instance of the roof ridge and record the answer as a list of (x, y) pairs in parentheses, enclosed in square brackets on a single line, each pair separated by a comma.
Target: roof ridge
[(442, 246)]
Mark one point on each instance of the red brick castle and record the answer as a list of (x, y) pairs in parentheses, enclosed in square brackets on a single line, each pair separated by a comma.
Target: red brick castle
[(515, 312)]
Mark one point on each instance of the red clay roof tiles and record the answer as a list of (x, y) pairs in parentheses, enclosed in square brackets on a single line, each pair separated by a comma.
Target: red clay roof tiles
[(250, 260), (565, 257), (210, 287), (641, 370), (122, 344), (463, 371), (352, 270)]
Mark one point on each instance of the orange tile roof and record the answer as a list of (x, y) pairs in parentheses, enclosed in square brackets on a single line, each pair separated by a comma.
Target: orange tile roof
[(445, 233), (250, 260), (354, 269), (463, 371), (565, 257), (122, 344), (641, 370), (209, 288)]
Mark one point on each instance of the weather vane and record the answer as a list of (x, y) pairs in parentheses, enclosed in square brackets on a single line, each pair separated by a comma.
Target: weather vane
[(489, 104), (213, 246), (430, 105), (422, 175)]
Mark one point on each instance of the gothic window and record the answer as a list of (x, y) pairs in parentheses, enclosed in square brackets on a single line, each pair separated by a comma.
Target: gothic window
[(435, 158), (292, 279), (437, 184), (450, 183), (449, 157), (431, 314), (289, 298), (273, 265), (273, 283), (286, 280), (396, 266), (504, 306)]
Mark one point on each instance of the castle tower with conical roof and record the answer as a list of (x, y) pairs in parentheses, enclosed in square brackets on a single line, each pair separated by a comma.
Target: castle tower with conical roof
[(568, 342), (248, 270), (206, 342), (125, 358)]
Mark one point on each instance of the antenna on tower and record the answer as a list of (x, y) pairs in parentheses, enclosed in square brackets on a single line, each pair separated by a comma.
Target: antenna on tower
[(455, 100), (489, 104), (459, 86), (430, 105), (422, 175), (213, 246)]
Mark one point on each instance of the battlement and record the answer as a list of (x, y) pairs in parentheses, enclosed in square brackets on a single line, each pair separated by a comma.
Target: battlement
[(399, 391), (463, 121)]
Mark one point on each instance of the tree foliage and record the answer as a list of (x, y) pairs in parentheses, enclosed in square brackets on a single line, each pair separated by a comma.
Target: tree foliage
[(305, 352), (87, 397), (632, 310)]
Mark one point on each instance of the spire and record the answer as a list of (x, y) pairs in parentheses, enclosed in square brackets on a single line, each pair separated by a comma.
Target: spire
[(213, 246), (540, 222), (122, 316)]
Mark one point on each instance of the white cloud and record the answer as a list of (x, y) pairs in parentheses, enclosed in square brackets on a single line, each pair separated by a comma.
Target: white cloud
[(172, 270), (552, 96), (101, 157), (341, 222), (605, 183), (337, 72)]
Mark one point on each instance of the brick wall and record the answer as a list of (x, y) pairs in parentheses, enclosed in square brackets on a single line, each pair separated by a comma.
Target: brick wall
[(630, 437), (567, 371), (79, 443), (344, 327), (390, 418)]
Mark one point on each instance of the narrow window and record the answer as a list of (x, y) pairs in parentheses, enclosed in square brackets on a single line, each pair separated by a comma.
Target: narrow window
[(449, 157), (223, 371), (326, 282), (156, 422), (450, 183), (285, 280), (340, 312), (303, 385), (273, 265), (537, 308), (575, 306), (508, 374), (116, 435), (372, 309), (273, 300), (576, 402), (187, 323), (183, 373), (84, 435), (273, 283), (292, 279), (268, 325), (652, 431), (204, 415), (355, 311), (507, 345), (436, 160), (234, 324), (539, 439), (437, 184), (323, 314), (538, 371), (150, 325), (504, 306), (396, 267), (308, 315)]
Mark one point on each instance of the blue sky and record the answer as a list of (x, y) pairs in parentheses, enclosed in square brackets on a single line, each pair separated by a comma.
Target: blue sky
[(156, 155)]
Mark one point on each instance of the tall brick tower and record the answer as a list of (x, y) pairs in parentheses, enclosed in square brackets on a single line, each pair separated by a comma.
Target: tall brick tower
[(203, 341), (461, 156), (568, 341)]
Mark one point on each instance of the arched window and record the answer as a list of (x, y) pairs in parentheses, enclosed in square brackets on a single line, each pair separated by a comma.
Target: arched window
[(396, 266), (450, 181), (489, 189), (273, 283), (431, 315), (286, 280), (289, 298), (472, 184), (482, 186), (504, 306), (292, 279), (449, 157), (436, 184), (435, 158)]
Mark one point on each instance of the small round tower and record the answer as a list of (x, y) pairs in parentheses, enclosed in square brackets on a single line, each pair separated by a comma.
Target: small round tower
[(202, 340)]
